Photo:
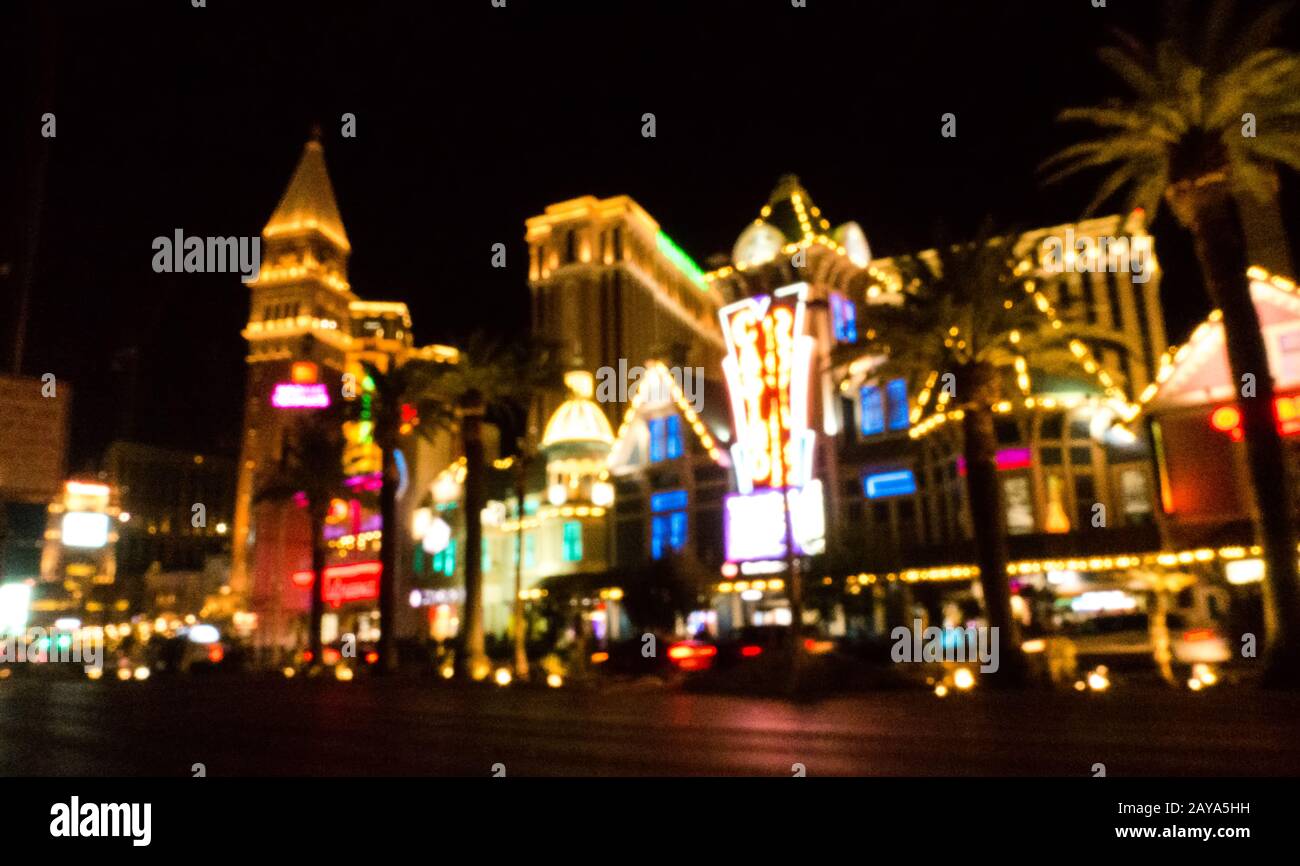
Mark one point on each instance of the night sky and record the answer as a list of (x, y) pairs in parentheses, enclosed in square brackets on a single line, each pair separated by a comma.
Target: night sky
[(469, 120)]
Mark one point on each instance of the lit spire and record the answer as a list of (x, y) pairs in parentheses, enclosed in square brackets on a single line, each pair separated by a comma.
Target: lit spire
[(308, 203)]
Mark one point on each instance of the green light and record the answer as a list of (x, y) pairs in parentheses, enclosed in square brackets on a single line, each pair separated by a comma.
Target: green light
[(679, 258)]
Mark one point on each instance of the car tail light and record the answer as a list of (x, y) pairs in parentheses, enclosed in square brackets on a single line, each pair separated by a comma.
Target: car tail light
[(216, 654), (372, 657), (692, 657), (750, 651), (331, 656)]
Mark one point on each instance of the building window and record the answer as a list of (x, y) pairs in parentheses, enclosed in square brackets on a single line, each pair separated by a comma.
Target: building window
[(530, 550), (880, 409), (1019, 504), (845, 318), (665, 438), (1135, 497), (570, 247), (487, 556), (668, 524), (896, 391), (572, 541), (871, 409)]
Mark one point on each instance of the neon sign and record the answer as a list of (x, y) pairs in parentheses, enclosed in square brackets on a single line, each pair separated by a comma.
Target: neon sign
[(767, 367), (357, 581), (755, 527), (290, 395)]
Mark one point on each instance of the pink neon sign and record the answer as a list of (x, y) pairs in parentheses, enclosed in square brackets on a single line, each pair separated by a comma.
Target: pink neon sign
[(294, 396)]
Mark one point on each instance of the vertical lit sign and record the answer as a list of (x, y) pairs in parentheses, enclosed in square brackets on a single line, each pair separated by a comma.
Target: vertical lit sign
[(768, 364), (767, 367)]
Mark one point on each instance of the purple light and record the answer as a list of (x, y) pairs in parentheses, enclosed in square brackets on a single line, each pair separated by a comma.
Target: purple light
[(371, 481), (1015, 458), (293, 396)]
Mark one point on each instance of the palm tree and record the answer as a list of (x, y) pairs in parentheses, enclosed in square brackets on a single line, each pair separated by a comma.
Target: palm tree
[(487, 383), (1183, 137), (964, 311), (312, 465)]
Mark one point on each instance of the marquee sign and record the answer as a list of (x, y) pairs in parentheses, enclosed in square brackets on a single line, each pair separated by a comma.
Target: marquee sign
[(767, 367)]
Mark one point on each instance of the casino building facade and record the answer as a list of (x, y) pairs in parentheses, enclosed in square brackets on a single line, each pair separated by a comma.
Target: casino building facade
[(886, 469), (696, 402)]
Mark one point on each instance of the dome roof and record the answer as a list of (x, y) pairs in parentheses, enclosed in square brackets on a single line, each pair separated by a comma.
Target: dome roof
[(579, 420)]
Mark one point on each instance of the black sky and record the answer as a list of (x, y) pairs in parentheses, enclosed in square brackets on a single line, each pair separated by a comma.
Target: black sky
[(471, 119)]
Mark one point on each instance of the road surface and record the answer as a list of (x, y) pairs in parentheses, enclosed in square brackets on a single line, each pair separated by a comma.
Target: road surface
[(273, 727)]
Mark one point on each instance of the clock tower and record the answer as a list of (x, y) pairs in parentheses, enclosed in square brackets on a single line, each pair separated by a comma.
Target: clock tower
[(299, 311)]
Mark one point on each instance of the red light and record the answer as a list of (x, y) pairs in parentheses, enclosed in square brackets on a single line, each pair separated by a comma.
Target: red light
[(1198, 634), (1225, 419), (216, 654), (307, 655), (303, 579), (692, 657), (809, 644), (750, 651), (372, 657), (330, 656)]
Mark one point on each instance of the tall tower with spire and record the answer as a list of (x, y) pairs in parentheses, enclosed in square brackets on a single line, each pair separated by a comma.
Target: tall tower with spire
[(299, 311)]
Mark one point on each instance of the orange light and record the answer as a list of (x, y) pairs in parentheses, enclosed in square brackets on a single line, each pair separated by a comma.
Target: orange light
[(303, 373), (598, 658), (330, 656), (216, 654), (1225, 419), (1198, 634), (372, 657)]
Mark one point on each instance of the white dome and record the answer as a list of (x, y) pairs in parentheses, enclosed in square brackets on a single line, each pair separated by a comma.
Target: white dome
[(578, 420), (757, 245)]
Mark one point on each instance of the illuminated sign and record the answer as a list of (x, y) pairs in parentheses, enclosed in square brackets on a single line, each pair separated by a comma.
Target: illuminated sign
[(755, 523), (86, 529), (358, 581), (15, 600), (289, 395), (1286, 409), (767, 367), (1007, 459), (885, 484)]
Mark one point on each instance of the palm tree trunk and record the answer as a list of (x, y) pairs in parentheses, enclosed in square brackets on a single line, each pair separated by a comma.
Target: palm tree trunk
[(473, 658), (387, 440), (988, 522), (318, 578), (1207, 208), (520, 625)]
